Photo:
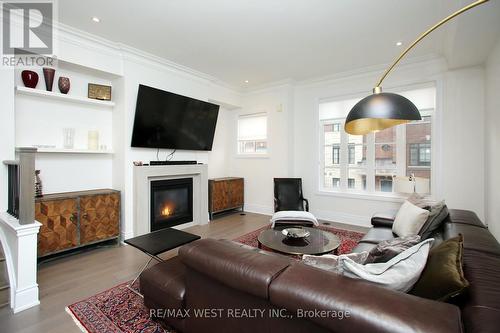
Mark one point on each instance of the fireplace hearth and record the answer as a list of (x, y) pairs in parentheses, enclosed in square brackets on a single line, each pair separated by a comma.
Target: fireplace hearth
[(171, 202)]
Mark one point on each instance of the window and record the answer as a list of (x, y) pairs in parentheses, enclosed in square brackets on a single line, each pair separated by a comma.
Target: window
[(336, 155), (252, 134), (353, 163), (420, 154), (352, 153), (386, 185)]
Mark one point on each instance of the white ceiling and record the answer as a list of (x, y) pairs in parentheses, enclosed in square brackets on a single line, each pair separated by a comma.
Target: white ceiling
[(271, 40)]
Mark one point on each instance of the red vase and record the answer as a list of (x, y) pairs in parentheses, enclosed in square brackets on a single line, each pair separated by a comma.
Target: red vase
[(64, 84), (48, 74), (30, 78)]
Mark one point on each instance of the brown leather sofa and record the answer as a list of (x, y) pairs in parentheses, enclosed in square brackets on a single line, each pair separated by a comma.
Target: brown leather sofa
[(247, 290)]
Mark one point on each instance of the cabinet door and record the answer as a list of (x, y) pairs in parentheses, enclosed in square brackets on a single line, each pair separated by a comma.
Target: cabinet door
[(59, 230), (100, 217), (236, 193), (220, 196)]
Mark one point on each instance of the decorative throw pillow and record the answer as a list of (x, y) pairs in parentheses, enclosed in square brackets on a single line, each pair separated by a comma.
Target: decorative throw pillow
[(438, 213), (386, 250), (443, 277), (400, 273), (409, 220), (329, 262)]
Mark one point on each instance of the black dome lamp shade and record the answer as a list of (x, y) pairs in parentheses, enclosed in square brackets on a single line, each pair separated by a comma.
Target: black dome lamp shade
[(380, 111), (383, 110)]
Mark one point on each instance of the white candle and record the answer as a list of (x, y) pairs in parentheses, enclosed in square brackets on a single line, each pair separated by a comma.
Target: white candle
[(93, 141)]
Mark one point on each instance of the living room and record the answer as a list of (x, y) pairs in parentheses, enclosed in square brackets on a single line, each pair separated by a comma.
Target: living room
[(278, 139)]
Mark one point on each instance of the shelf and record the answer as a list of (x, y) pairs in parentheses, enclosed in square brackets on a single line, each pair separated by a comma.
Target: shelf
[(72, 151), (63, 97)]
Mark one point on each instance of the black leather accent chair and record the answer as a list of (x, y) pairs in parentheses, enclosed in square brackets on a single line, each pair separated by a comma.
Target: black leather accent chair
[(288, 195)]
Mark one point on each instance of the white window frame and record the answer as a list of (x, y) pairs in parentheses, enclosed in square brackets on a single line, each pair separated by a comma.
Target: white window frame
[(401, 166), (253, 154)]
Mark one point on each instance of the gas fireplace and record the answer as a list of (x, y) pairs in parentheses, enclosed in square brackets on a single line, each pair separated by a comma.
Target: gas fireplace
[(171, 202)]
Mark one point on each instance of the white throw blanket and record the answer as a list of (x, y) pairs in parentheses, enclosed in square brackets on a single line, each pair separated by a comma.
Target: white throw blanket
[(291, 216)]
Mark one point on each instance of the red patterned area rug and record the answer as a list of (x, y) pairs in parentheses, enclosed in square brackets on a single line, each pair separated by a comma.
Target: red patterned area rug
[(116, 310), (348, 239)]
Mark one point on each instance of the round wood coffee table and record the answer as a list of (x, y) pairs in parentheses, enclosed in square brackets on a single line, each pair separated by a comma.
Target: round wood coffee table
[(318, 242)]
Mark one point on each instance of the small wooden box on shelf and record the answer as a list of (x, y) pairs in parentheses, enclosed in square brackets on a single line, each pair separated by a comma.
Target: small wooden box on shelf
[(74, 219), (225, 194)]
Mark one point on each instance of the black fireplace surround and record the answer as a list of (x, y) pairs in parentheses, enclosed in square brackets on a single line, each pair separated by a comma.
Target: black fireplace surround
[(171, 202)]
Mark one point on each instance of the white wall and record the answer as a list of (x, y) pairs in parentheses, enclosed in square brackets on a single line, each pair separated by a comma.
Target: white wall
[(463, 140), (260, 171), (493, 141)]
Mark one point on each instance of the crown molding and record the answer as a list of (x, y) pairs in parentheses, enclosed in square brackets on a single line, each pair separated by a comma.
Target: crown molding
[(76, 37), (374, 70)]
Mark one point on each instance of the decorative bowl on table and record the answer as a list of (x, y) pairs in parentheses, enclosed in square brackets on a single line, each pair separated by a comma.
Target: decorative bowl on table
[(295, 233)]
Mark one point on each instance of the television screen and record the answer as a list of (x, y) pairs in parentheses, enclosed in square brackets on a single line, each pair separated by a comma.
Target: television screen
[(167, 120)]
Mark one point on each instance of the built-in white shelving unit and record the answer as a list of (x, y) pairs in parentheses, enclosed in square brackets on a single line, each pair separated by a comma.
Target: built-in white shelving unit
[(63, 97)]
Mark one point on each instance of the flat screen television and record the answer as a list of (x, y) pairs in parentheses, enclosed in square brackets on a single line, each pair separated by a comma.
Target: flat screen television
[(167, 120)]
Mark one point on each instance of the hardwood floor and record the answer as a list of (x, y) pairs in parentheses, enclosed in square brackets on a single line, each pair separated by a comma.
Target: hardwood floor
[(73, 278)]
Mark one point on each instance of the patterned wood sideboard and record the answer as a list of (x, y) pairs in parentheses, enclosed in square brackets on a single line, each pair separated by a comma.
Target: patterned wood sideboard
[(74, 219), (225, 194)]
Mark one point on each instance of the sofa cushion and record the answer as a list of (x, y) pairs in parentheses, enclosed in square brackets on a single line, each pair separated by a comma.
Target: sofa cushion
[(376, 235), (388, 249), (475, 238), (481, 306), (437, 216), (163, 284), (465, 217), (400, 273), (409, 220), (443, 276)]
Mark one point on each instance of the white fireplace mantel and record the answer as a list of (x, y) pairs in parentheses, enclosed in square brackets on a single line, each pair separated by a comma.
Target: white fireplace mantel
[(144, 175)]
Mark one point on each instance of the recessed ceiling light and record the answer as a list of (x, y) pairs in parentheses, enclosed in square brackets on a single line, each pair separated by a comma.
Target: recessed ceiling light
[(399, 43), (246, 81), (96, 19)]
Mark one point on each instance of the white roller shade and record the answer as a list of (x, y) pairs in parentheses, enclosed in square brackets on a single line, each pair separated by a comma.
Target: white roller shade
[(252, 127)]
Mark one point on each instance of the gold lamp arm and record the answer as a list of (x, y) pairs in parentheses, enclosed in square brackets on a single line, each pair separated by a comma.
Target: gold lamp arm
[(422, 36)]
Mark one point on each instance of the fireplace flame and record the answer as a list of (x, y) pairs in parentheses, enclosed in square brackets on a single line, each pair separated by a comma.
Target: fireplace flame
[(166, 211)]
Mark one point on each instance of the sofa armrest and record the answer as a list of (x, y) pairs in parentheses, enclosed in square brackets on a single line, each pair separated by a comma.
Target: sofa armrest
[(371, 308), (385, 219)]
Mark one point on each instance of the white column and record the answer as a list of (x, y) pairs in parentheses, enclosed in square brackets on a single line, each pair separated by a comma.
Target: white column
[(20, 247)]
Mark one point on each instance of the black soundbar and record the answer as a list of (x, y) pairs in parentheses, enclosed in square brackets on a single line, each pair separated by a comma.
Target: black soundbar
[(172, 162)]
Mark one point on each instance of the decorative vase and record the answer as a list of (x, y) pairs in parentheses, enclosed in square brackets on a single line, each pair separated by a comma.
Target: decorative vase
[(38, 185), (64, 84), (48, 74), (30, 78)]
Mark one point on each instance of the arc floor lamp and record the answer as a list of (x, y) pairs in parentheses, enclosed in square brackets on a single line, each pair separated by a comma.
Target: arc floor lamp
[(383, 110)]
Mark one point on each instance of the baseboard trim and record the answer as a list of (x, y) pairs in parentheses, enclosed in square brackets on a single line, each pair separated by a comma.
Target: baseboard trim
[(259, 209), (25, 298)]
